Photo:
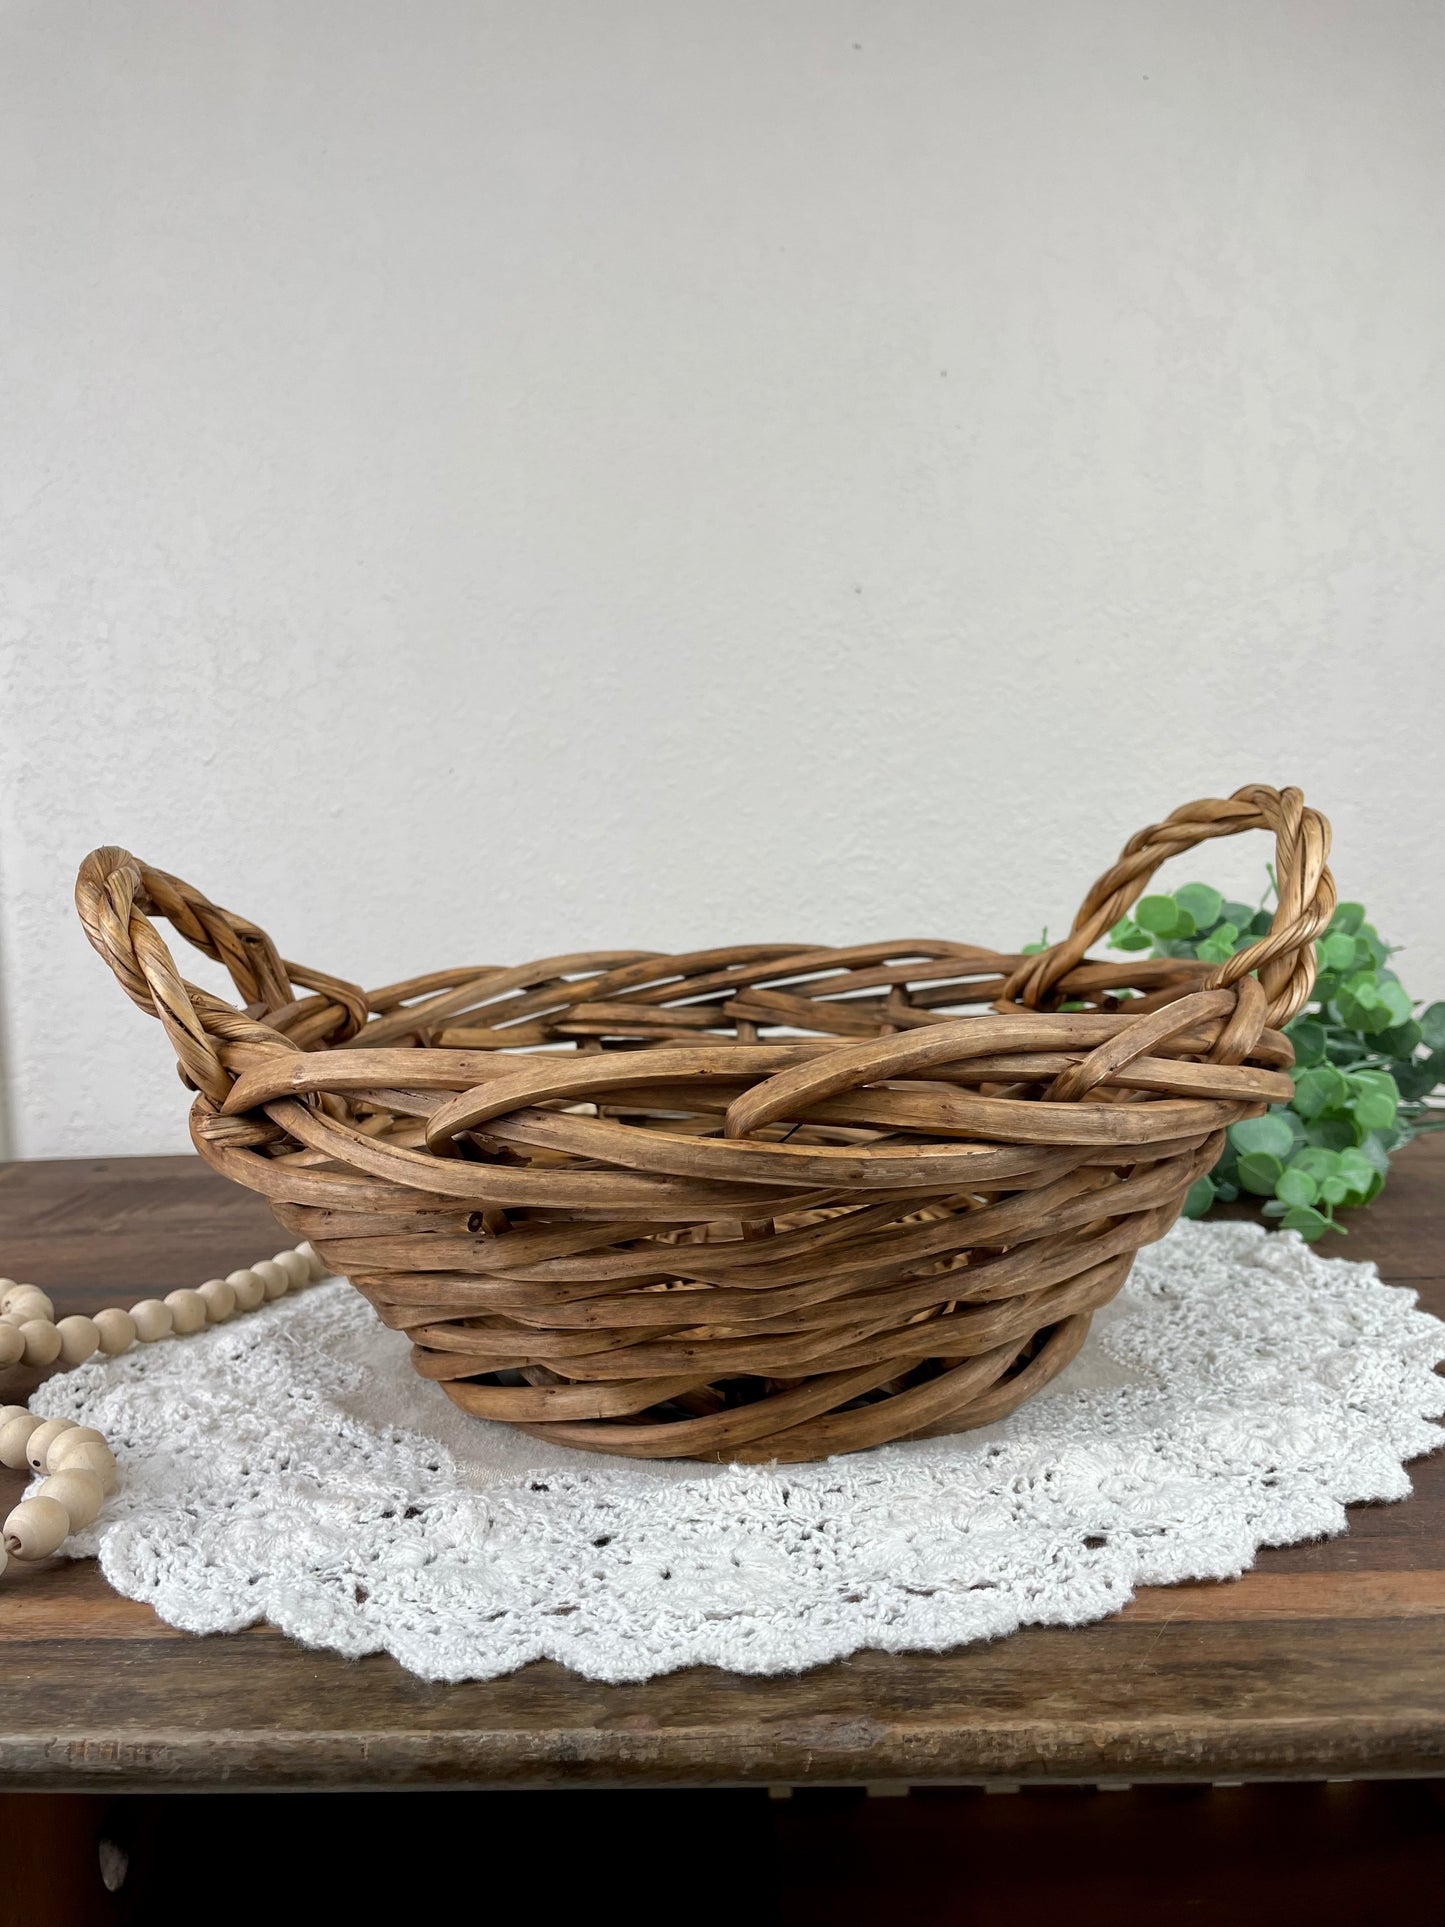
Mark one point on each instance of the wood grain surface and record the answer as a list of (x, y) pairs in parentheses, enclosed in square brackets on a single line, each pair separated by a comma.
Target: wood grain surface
[(1327, 1660)]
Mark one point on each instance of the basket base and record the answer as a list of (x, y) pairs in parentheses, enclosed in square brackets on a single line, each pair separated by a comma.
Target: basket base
[(848, 1430)]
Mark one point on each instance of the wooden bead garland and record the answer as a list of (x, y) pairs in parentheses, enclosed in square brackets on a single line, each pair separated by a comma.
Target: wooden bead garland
[(36, 1528), (79, 1491), (24, 1301), (248, 1287), (152, 1320), (219, 1299), (79, 1339), (116, 1329), (38, 1445), (42, 1341), (76, 1467), (188, 1311)]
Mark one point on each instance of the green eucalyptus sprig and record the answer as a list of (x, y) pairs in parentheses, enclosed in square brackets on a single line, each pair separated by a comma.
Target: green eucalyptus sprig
[(1365, 1063)]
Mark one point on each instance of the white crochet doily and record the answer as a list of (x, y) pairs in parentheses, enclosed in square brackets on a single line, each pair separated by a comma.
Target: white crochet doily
[(292, 1468)]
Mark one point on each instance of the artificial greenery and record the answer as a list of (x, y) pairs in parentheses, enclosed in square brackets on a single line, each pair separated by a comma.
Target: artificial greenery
[(1365, 1063)]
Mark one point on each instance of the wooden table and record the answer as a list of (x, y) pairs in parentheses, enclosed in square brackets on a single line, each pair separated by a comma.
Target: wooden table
[(1326, 1661)]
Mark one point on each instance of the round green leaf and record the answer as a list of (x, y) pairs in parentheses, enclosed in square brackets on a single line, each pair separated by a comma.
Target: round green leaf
[(1198, 1198), (1432, 1026), (1321, 1088), (1367, 1004), (1401, 1040), (1360, 1177), (1374, 1111), (1308, 1222), (1337, 952), (1260, 1173), (1308, 1038), (1158, 915), (1205, 905), (1377, 1152), (1296, 1187), (1375, 948), (1417, 1079), (1269, 1135), (1397, 1002), (1374, 1099), (1316, 1161), (1348, 916)]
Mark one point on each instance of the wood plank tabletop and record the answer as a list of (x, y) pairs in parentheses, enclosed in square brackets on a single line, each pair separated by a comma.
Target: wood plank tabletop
[(1327, 1660)]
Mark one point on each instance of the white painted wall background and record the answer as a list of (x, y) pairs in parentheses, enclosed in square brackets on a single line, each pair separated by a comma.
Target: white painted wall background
[(479, 478)]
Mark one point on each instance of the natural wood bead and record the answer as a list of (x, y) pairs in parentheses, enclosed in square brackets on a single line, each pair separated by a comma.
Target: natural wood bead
[(249, 1289), (12, 1345), (8, 1412), (188, 1310), (7, 1285), (116, 1330), (79, 1491), (220, 1299), (296, 1268), (88, 1456), (313, 1258), (275, 1280), (30, 1301), (42, 1341), (14, 1436), (79, 1338), (152, 1320), (76, 1435), (37, 1446), (35, 1528)]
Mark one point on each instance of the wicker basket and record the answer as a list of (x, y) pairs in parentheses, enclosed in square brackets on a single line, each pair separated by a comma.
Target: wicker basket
[(773, 1201)]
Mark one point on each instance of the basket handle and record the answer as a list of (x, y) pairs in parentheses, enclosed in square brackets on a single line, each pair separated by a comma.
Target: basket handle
[(1284, 957), (116, 896)]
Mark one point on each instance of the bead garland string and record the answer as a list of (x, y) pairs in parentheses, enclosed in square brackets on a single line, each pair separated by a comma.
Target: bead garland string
[(74, 1462)]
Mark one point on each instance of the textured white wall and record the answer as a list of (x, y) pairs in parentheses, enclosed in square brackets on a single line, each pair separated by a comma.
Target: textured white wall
[(481, 478)]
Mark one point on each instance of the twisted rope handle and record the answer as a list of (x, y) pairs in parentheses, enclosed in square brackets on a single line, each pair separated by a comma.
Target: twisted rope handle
[(116, 896), (1284, 958)]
